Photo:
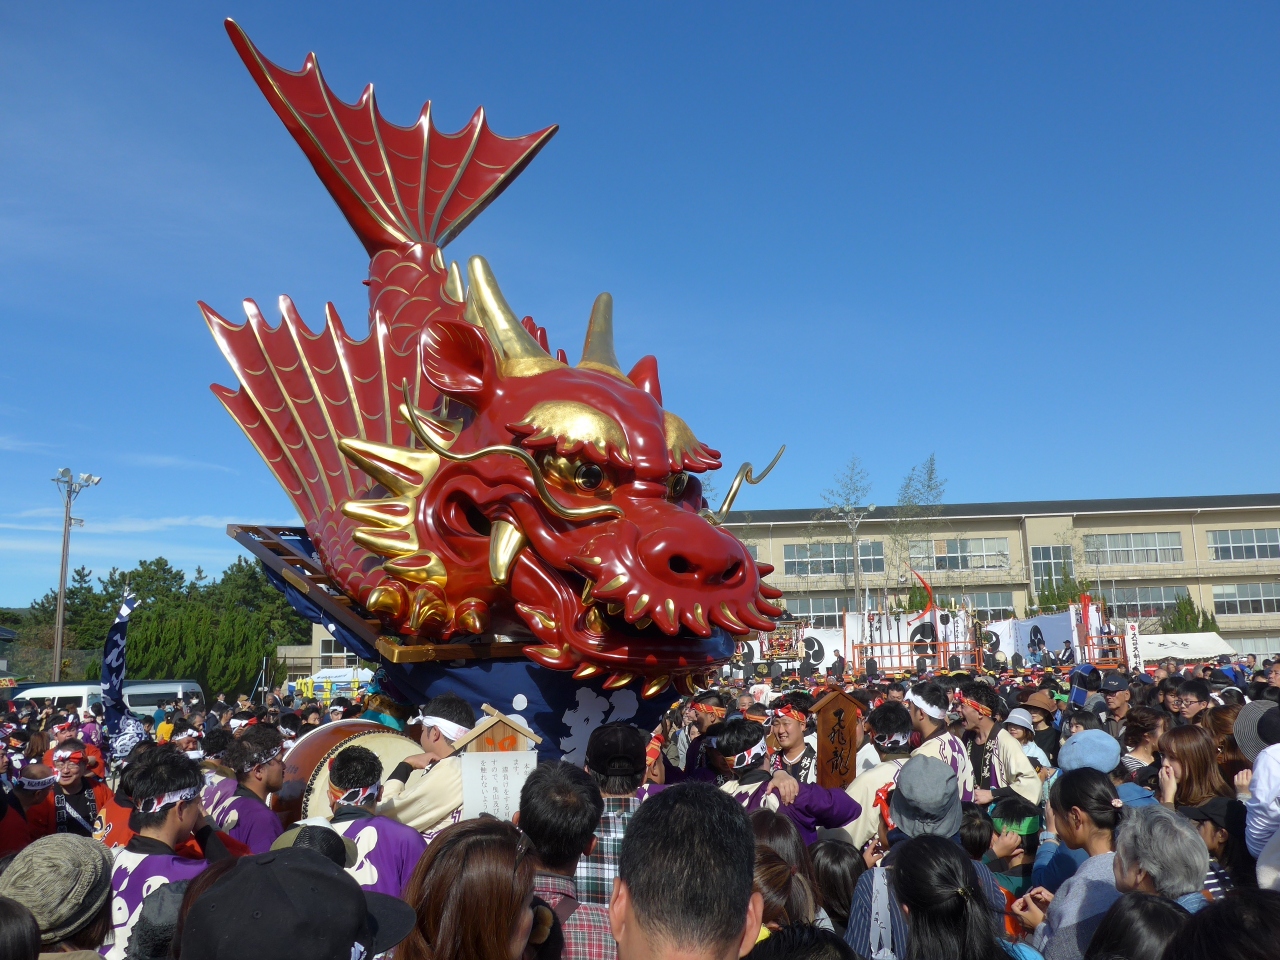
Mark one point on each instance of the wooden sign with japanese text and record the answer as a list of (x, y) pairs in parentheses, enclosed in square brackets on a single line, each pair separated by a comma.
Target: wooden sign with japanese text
[(839, 721), (492, 779)]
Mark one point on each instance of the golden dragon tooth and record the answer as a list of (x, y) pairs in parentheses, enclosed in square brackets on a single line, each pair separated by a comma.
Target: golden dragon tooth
[(684, 684), (639, 604), (615, 609), (613, 584), (595, 622), (669, 606), (506, 540), (698, 615), (654, 687), (587, 587), (730, 619), (617, 681), (586, 671), (643, 623)]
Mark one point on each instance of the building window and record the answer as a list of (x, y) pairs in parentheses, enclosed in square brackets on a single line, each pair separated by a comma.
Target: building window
[(753, 550), (1245, 544), (821, 612), (979, 553), (830, 559), (988, 606), (1050, 566), (1233, 598), (1112, 549), (334, 654), (1134, 602)]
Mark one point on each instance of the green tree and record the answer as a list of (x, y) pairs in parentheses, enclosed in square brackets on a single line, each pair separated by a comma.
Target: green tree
[(1186, 617), (214, 631), (918, 598), (1056, 598)]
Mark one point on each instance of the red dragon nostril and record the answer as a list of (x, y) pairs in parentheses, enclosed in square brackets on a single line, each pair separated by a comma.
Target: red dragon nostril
[(681, 565)]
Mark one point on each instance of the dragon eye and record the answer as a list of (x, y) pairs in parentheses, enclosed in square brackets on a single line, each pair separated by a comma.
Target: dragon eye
[(676, 484), (588, 476)]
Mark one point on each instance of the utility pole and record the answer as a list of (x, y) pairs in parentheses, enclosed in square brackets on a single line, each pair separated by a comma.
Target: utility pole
[(69, 489)]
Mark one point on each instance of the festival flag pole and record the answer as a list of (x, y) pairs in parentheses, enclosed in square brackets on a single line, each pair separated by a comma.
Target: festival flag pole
[(113, 667)]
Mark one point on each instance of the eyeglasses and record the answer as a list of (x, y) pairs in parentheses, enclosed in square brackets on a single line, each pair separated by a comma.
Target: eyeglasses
[(1194, 703)]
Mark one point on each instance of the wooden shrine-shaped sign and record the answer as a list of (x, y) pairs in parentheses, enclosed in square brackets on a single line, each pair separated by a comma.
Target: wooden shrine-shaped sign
[(497, 733), (839, 720)]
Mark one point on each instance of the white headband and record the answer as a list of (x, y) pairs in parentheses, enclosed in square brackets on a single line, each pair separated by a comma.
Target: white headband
[(26, 783), (358, 795), (452, 731), (749, 756), (156, 804), (924, 707)]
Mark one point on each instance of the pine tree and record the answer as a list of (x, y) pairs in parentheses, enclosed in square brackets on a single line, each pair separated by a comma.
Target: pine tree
[(1186, 617)]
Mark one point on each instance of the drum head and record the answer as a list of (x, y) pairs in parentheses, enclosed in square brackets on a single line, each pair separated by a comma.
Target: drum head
[(391, 748)]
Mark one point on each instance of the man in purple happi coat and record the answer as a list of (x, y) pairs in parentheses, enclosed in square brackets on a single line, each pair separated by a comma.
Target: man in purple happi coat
[(257, 759), (388, 850), (741, 754), (167, 812)]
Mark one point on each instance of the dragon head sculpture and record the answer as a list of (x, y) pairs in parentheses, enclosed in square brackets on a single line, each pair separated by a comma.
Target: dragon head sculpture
[(456, 478)]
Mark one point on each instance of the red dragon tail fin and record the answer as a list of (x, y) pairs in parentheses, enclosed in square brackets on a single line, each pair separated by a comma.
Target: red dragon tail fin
[(395, 185), (406, 192)]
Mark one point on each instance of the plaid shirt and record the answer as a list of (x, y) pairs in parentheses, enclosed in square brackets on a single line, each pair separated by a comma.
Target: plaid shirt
[(586, 935), (596, 872)]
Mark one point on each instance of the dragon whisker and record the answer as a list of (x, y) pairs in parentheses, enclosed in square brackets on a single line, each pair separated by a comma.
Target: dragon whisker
[(744, 473)]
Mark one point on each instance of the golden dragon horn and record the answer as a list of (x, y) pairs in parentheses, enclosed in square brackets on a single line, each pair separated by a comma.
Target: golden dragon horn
[(519, 354), (597, 349)]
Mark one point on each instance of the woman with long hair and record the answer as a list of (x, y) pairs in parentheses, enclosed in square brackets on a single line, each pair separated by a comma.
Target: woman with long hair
[(945, 905), (779, 834), (1220, 722), (36, 747), (1084, 811), (473, 894), (1189, 774), (837, 865), (1143, 727)]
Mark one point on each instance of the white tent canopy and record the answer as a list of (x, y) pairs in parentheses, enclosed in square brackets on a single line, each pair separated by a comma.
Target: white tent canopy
[(342, 675), (1184, 646)]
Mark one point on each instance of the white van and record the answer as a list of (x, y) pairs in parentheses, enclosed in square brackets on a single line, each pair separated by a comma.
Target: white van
[(141, 696)]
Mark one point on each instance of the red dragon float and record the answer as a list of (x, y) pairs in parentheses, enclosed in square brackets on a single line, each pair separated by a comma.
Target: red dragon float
[(480, 514)]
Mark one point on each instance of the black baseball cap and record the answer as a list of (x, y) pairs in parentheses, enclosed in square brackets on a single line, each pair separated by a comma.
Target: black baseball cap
[(288, 904), (1224, 812), (1115, 683), (617, 750)]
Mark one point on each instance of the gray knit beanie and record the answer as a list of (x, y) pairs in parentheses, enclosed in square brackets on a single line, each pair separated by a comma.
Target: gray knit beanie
[(63, 880)]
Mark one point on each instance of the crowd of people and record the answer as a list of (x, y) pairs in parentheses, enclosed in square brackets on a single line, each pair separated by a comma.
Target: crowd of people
[(1100, 815)]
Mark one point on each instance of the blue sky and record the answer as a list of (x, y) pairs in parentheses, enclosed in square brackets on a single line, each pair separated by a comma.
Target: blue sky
[(1038, 240)]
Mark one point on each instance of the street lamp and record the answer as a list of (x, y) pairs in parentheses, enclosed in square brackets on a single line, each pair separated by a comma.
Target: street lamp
[(69, 489)]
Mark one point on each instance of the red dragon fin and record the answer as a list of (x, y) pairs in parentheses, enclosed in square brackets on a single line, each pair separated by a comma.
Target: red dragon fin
[(395, 185)]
